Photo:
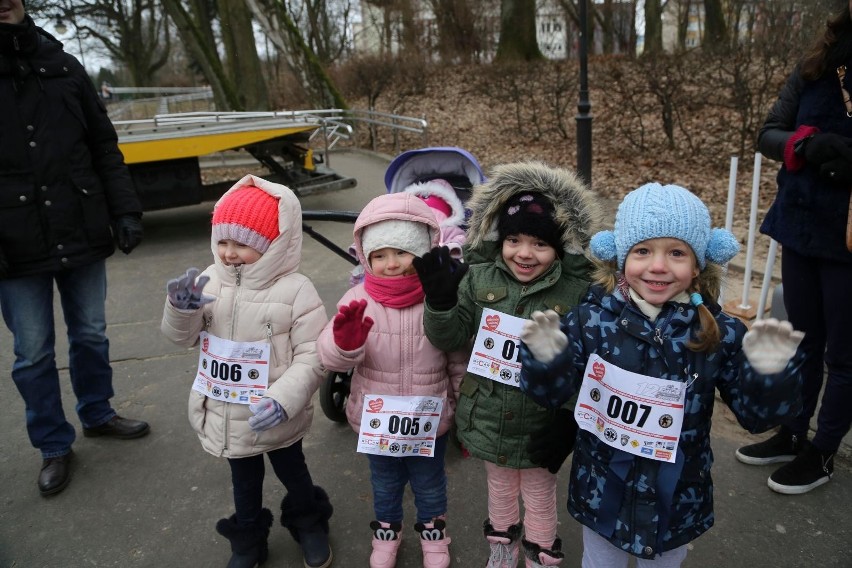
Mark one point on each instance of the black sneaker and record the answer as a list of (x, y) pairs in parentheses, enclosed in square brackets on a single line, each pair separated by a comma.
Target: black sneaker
[(782, 447), (809, 470)]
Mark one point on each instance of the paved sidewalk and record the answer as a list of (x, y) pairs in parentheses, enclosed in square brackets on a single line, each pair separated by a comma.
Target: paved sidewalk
[(153, 502)]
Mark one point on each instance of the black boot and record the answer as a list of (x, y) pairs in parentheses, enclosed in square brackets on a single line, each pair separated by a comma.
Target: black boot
[(248, 543), (309, 527), (541, 557)]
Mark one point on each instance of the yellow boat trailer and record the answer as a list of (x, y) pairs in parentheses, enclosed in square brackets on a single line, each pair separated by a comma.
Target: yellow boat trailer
[(164, 153)]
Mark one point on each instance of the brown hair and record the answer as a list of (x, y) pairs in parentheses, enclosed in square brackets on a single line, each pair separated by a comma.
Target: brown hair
[(814, 62), (708, 283)]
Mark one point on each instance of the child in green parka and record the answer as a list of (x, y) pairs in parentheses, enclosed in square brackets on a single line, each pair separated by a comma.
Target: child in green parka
[(530, 226)]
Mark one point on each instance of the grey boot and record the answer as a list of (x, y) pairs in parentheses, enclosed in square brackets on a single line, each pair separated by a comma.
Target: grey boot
[(248, 542), (504, 545)]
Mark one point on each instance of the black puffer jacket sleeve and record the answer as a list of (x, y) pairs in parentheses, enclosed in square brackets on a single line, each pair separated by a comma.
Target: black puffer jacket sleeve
[(780, 124)]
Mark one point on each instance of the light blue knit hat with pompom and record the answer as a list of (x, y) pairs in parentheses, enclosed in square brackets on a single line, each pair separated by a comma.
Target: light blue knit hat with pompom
[(655, 211)]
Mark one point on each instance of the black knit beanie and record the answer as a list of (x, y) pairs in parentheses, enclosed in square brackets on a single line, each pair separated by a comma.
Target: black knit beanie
[(531, 213)]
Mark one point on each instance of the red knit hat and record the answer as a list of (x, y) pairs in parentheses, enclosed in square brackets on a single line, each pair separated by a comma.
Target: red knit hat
[(248, 216)]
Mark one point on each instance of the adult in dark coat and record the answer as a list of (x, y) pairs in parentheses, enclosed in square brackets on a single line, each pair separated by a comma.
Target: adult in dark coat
[(810, 129), (65, 196)]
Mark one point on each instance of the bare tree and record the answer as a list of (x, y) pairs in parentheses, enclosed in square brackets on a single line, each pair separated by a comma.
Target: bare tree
[(715, 30), (282, 30), (242, 62), (194, 22), (517, 31), (653, 28), (456, 23), (130, 31)]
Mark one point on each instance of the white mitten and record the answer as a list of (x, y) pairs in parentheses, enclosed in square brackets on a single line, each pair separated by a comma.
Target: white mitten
[(543, 336), (770, 344)]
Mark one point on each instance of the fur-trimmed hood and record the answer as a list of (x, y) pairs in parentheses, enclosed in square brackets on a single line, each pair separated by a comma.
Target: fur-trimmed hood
[(577, 208)]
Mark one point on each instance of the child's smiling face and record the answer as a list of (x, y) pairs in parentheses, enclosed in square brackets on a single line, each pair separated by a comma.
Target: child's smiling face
[(233, 253), (660, 269), (527, 257), (389, 262)]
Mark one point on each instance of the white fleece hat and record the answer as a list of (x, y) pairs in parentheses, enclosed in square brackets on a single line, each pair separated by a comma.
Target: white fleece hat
[(409, 236)]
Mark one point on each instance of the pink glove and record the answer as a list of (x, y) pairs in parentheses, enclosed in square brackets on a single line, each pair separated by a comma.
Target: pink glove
[(350, 326)]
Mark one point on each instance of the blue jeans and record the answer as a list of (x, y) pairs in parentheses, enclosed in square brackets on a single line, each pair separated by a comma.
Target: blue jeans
[(27, 306), (428, 483)]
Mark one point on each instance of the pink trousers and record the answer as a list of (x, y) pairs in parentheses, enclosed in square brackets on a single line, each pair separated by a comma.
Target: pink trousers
[(537, 487)]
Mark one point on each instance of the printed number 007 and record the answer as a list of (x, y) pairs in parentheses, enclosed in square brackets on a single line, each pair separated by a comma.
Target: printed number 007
[(627, 411)]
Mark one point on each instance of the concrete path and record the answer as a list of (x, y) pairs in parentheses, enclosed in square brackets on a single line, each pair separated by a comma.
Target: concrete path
[(153, 502)]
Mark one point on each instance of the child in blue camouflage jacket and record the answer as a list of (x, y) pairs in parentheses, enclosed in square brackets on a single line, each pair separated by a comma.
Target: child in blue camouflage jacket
[(645, 352)]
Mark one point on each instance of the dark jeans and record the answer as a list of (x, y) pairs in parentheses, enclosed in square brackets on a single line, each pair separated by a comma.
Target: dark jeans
[(428, 478), (247, 478), (818, 299), (27, 306)]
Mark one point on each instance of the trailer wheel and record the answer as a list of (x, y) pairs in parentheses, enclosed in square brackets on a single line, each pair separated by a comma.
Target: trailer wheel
[(333, 394)]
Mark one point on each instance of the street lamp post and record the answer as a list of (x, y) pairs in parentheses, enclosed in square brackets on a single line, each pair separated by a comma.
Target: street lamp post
[(584, 107)]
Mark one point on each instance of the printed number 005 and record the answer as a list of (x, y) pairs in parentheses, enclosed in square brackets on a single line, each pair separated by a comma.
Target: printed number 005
[(406, 425), (627, 411)]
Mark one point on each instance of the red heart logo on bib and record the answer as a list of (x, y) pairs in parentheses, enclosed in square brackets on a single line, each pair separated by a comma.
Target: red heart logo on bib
[(598, 370), (376, 405), (491, 322)]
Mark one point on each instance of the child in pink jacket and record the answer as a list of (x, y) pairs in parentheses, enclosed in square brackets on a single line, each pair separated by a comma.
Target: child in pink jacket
[(378, 331)]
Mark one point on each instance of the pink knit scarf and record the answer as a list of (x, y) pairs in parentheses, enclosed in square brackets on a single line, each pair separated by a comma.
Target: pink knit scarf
[(394, 292)]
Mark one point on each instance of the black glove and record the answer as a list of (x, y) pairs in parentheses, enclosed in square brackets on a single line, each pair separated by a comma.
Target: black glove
[(4, 265), (838, 170), (551, 446), (824, 147), (440, 275), (128, 232)]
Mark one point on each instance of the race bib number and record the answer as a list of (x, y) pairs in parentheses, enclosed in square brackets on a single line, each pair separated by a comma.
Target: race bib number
[(634, 413), (232, 371), (497, 349), (399, 426)]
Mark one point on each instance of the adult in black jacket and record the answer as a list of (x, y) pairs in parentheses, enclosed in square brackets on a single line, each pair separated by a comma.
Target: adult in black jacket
[(810, 129), (65, 195)]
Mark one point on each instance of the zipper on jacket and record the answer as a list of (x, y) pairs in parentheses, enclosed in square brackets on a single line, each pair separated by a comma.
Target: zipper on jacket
[(231, 337), (271, 344), (658, 330), (15, 43)]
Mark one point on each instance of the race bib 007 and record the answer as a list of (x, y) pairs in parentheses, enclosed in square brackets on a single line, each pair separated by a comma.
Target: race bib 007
[(634, 413)]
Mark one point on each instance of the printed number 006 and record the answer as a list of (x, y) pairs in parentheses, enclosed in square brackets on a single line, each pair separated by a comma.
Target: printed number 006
[(406, 425), (627, 411), (226, 372)]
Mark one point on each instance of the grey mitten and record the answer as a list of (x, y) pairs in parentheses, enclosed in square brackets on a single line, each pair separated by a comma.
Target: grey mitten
[(185, 292), (770, 344), (267, 414), (543, 336)]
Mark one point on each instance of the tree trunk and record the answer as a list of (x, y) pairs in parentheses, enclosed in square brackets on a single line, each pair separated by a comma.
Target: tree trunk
[(715, 31), (653, 28), (241, 59), (196, 31), (273, 18), (517, 32)]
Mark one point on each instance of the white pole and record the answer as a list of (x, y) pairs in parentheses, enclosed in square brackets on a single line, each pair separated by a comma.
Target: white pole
[(752, 222), (729, 213), (767, 278)]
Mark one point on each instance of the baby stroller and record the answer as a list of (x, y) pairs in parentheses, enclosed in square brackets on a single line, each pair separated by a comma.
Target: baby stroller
[(443, 177)]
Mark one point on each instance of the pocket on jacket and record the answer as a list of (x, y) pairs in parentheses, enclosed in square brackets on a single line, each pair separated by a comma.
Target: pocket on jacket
[(93, 206), (197, 411), (21, 233)]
